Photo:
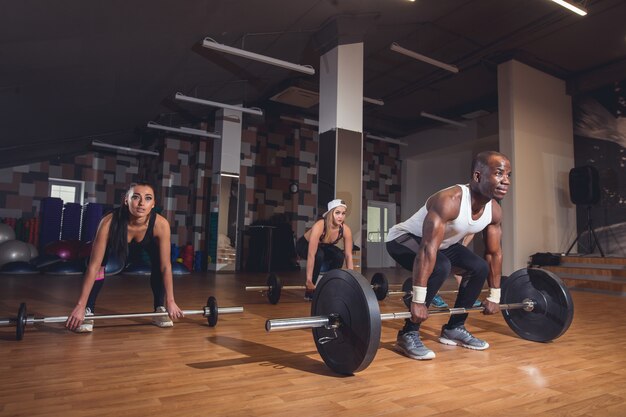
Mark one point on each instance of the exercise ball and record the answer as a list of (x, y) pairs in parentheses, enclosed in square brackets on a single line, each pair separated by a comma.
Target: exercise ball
[(13, 251), (179, 269), (139, 269), (33, 251), (65, 268), (113, 265), (6, 232), (18, 268), (45, 260), (64, 249), (84, 249)]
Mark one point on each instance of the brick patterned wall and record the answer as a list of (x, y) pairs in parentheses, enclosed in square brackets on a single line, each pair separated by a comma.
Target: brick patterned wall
[(381, 178), (179, 174), (271, 161), (273, 156)]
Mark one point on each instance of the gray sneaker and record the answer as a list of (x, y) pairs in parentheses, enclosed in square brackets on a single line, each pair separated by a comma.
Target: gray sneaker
[(409, 344), (164, 320), (459, 336), (87, 325)]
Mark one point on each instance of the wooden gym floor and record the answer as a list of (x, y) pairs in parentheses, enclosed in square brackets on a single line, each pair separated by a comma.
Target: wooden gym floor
[(130, 368)]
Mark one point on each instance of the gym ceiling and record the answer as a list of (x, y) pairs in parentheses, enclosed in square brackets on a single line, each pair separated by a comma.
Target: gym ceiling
[(76, 71)]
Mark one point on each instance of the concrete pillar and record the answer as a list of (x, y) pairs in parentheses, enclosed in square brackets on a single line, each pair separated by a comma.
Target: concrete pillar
[(536, 133), (341, 131)]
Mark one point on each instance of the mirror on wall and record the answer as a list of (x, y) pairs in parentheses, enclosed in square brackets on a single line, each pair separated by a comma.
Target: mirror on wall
[(227, 208)]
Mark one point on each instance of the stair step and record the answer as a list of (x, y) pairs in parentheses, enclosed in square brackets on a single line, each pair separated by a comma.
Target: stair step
[(592, 273)]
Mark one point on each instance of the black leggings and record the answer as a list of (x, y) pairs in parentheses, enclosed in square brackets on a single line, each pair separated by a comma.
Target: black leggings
[(475, 271), (327, 255), (156, 284)]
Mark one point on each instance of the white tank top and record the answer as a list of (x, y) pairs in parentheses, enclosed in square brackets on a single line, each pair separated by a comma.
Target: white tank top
[(455, 230)]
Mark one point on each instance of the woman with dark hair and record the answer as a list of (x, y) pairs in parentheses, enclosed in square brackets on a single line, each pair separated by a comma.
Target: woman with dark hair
[(318, 245), (132, 227)]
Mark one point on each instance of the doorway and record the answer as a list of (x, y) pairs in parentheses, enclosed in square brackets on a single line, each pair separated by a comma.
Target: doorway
[(380, 217)]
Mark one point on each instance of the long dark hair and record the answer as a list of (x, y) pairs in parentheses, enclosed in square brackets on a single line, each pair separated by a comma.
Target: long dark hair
[(118, 232)]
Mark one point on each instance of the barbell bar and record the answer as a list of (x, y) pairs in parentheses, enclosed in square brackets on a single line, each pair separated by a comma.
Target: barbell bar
[(294, 323), (346, 319), (273, 287), (407, 291), (211, 311)]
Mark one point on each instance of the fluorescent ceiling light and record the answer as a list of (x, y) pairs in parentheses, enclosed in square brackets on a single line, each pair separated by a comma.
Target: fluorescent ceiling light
[(229, 174), (386, 139), (212, 44), (250, 110), (374, 101), (442, 119), (185, 130), (122, 148), (310, 122), (397, 48), (578, 9)]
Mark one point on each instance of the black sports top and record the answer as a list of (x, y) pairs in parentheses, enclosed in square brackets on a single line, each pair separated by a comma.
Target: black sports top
[(339, 235)]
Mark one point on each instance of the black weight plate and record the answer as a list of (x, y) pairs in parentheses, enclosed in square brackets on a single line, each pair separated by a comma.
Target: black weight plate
[(211, 303), (348, 294), (274, 288), (407, 289), (380, 285), (20, 325), (553, 310)]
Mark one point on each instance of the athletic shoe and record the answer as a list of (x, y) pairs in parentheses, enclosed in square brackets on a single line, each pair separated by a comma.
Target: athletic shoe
[(409, 344), (162, 321), (459, 336), (477, 303), (87, 326), (438, 302)]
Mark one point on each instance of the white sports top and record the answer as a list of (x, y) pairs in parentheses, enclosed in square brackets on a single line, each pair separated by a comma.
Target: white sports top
[(456, 229)]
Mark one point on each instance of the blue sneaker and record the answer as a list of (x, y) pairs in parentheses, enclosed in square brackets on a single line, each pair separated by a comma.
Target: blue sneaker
[(438, 302), (459, 336), (410, 344), (477, 303)]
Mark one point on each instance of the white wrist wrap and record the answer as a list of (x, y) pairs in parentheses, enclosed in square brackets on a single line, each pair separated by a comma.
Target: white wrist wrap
[(494, 295), (419, 295)]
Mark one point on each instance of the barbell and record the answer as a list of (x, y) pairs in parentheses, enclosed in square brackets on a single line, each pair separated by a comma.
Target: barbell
[(407, 291), (210, 311), (346, 320), (273, 287)]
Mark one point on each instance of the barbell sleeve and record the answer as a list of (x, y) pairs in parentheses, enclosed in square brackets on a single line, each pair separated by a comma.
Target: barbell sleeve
[(296, 323)]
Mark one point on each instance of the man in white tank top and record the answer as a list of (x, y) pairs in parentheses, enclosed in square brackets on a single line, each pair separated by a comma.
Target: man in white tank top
[(429, 244)]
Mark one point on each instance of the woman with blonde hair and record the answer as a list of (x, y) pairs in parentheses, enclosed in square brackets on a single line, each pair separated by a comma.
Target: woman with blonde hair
[(319, 244)]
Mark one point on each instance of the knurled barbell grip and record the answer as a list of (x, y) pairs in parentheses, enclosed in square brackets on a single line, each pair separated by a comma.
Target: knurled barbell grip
[(438, 292), (294, 323)]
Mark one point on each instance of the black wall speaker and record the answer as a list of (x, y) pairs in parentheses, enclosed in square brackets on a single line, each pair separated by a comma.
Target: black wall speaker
[(584, 185)]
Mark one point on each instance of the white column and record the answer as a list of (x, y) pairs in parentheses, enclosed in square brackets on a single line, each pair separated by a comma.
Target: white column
[(536, 133)]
